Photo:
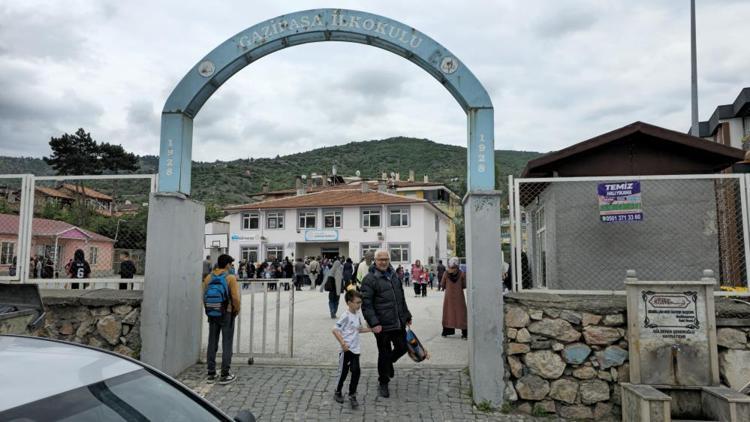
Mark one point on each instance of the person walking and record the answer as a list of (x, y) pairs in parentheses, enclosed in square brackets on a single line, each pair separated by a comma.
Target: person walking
[(346, 331), (221, 297), (454, 302), (364, 267), (335, 287), (314, 269), (348, 271), (206, 266), (127, 268), (384, 308), (299, 274), (419, 278), (79, 268), (440, 272)]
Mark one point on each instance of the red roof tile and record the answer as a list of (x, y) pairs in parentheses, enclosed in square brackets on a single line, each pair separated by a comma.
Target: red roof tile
[(45, 227), (330, 198)]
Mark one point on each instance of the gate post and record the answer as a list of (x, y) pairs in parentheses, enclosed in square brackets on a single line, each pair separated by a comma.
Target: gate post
[(483, 255), (172, 311)]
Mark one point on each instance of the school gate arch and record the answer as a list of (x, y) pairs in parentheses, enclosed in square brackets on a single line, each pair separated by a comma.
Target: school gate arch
[(172, 215)]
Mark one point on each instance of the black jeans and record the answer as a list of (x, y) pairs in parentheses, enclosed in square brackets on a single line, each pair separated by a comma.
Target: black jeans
[(223, 326), (348, 361), (391, 346)]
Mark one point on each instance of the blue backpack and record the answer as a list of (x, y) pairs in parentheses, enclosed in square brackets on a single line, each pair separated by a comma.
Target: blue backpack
[(216, 296)]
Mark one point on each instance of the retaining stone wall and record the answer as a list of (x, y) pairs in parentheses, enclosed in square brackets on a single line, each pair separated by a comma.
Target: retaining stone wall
[(565, 355), (104, 318)]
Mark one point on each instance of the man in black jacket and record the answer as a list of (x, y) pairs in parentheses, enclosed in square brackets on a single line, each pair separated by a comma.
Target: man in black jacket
[(384, 308)]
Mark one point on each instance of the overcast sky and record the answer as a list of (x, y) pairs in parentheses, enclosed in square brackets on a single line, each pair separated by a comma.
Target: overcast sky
[(558, 72)]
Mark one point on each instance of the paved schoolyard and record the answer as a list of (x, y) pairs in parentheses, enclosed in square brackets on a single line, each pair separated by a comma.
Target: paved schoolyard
[(301, 388), (305, 393)]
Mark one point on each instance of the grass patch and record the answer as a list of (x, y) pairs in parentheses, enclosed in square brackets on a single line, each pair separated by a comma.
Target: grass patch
[(506, 408), (485, 406)]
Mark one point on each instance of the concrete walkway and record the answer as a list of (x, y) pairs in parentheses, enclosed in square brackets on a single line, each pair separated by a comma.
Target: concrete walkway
[(315, 345)]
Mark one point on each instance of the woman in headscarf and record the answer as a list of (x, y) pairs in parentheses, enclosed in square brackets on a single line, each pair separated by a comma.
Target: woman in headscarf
[(334, 294), (454, 303)]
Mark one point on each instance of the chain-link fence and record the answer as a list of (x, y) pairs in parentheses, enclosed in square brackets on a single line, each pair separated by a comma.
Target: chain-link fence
[(12, 196), (61, 229), (582, 234)]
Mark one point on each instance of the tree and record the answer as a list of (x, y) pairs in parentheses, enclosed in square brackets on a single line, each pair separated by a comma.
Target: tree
[(74, 154), (113, 158)]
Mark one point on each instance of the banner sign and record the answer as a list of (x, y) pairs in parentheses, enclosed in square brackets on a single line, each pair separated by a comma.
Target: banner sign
[(321, 235), (620, 202)]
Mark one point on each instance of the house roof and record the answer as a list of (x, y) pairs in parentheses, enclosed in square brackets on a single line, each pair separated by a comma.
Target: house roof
[(53, 192), (715, 157), (739, 108), (373, 184), (91, 193), (333, 198), (49, 228)]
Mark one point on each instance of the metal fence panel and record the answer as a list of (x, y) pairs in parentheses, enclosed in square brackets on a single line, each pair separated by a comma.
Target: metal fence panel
[(102, 218), (570, 236)]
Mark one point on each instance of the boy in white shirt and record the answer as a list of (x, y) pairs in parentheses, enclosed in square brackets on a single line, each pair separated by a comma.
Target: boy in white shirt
[(347, 331)]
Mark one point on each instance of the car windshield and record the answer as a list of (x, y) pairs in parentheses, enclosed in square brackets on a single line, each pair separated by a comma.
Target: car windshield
[(135, 396)]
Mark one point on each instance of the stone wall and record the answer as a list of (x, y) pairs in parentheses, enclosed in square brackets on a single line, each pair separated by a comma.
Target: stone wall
[(104, 318), (565, 355)]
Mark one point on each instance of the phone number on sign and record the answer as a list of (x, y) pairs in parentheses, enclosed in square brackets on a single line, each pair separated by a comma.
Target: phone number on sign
[(626, 217)]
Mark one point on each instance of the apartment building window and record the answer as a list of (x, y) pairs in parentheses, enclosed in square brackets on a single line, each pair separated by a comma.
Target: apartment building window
[(399, 217), (249, 253), (250, 221), (275, 220), (307, 219), (370, 217), (7, 253), (399, 252), (332, 219), (275, 252), (364, 248)]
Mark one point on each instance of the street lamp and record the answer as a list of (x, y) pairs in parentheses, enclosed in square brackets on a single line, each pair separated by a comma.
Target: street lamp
[(117, 229)]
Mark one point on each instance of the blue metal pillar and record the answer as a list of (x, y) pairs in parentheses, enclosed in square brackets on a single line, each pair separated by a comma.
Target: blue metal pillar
[(175, 153)]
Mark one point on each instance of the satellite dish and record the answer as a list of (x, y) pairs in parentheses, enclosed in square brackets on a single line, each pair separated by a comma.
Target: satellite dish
[(304, 176), (357, 173)]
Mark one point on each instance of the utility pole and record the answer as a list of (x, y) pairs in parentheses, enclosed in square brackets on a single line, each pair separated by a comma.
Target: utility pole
[(693, 73)]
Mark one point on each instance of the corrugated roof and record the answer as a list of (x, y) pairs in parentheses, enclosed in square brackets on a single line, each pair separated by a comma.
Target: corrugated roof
[(87, 191), (45, 227), (53, 192)]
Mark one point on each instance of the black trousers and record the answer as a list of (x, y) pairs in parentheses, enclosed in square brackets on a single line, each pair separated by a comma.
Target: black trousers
[(391, 346), (348, 361), (224, 327)]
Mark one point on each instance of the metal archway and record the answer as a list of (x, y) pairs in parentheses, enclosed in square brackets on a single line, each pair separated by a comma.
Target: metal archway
[(482, 201)]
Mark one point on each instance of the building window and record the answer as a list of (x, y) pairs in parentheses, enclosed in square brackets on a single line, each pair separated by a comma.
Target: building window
[(399, 252), (307, 219), (399, 217), (250, 221), (540, 248), (332, 219), (365, 248), (93, 255), (7, 253), (275, 220), (370, 217), (275, 252), (249, 253)]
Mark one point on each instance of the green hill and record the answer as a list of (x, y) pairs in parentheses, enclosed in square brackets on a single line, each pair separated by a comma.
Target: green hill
[(233, 182)]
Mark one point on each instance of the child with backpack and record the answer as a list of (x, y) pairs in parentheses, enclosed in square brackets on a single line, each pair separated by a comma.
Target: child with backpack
[(347, 331), (221, 299)]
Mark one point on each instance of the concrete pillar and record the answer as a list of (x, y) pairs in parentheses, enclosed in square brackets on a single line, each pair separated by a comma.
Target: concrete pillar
[(172, 309), (485, 299)]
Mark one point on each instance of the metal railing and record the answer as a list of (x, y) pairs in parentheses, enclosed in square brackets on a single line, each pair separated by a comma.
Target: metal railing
[(253, 338), (582, 233), (46, 220)]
